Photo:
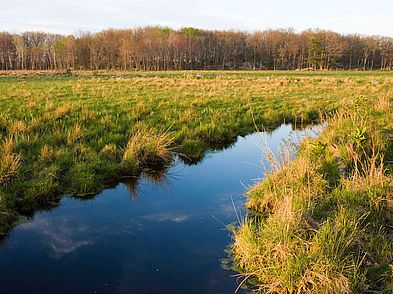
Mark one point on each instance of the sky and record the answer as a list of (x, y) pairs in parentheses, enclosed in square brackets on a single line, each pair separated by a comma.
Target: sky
[(71, 16)]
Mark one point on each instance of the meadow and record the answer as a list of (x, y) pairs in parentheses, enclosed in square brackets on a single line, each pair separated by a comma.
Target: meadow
[(77, 132)]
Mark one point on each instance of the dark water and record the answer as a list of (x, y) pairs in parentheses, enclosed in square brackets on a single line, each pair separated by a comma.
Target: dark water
[(162, 234)]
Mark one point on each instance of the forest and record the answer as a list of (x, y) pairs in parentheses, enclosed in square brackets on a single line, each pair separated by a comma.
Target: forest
[(163, 48)]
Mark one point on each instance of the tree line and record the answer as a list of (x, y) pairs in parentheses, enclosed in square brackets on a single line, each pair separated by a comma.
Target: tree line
[(163, 48)]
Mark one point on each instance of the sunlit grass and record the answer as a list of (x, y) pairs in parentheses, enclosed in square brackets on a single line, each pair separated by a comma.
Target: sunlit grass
[(313, 229)]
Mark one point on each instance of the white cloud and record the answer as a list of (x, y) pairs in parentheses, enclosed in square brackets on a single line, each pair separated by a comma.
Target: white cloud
[(62, 237), (165, 217)]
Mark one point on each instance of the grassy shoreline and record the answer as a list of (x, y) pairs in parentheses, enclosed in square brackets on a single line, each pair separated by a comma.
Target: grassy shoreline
[(322, 222), (75, 133)]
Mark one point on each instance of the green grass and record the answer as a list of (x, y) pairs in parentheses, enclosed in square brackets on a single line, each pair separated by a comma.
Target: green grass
[(314, 229), (75, 133)]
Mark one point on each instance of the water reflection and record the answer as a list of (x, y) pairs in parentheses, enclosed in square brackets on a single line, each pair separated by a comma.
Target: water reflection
[(162, 178), (63, 238), (161, 233)]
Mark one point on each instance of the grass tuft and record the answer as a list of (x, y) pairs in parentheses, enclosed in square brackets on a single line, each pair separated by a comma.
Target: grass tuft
[(9, 161), (147, 146)]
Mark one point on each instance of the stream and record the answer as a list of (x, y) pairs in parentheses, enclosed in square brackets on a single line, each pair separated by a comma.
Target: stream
[(162, 233)]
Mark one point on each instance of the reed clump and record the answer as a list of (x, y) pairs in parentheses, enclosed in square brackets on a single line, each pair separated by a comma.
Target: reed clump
[(147, 147)]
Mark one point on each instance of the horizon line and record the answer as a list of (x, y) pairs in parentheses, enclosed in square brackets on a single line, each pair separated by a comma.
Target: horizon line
[(178, 29)]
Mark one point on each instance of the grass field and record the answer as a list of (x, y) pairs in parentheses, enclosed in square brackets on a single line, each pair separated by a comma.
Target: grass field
[(76, 132)]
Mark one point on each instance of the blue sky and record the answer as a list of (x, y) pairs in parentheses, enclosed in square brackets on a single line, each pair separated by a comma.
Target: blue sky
[(70, 16)]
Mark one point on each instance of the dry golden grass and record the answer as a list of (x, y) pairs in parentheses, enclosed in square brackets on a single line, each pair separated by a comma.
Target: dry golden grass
[(299, 178), (46, 153), (110, 150), (147, 146), (9, 161), (74, 134), (17, 127)]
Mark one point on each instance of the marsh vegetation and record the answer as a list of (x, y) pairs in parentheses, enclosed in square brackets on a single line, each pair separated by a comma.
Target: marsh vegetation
[(322, 222), (310, 228)]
